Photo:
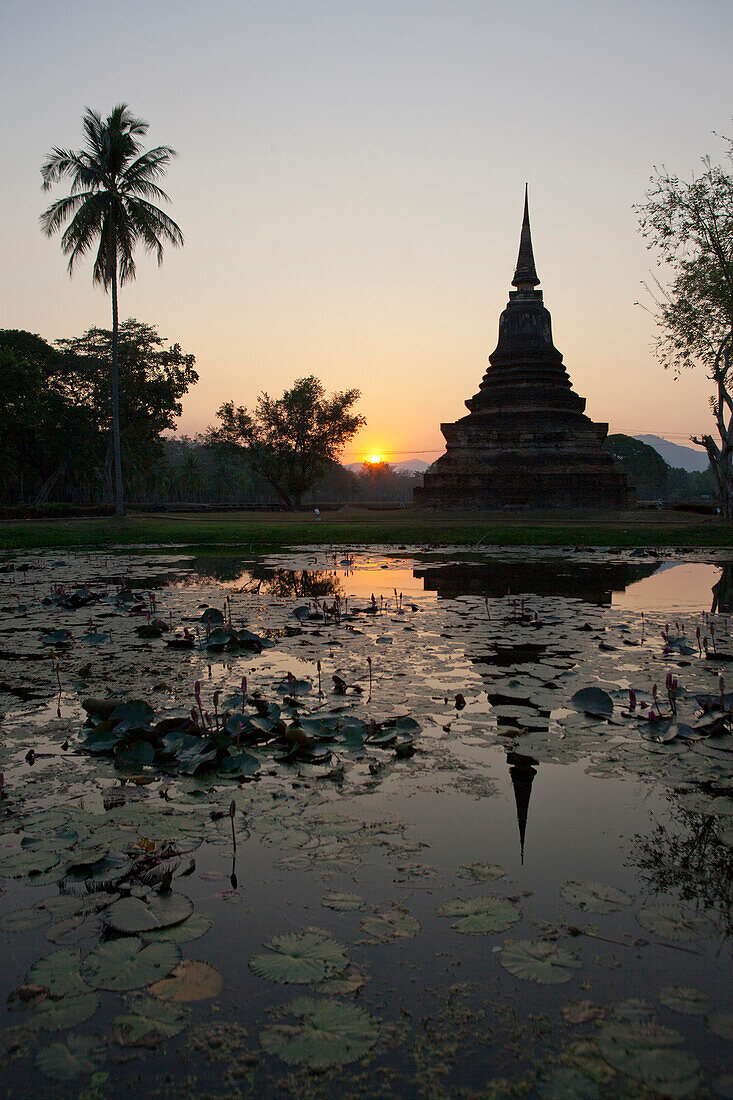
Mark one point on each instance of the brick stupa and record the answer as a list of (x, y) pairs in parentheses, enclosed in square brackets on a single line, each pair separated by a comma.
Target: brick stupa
[(526, 442)]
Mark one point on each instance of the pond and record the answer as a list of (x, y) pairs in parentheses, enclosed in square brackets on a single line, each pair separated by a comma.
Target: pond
[(366, 824)]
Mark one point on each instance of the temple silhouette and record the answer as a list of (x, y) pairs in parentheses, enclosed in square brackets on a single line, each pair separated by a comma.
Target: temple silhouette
[(526, 442)]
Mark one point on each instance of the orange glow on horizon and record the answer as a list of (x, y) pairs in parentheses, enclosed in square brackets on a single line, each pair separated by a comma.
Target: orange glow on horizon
[(375, 460)]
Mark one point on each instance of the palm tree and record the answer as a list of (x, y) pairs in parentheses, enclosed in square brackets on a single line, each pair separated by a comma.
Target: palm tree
[(109, 208)]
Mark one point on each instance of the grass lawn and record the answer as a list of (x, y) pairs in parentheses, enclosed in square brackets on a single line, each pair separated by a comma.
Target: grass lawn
[(349, 527)]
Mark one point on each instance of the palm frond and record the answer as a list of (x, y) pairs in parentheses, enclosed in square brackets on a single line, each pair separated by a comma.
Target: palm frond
[(149, 218), (61, 210)]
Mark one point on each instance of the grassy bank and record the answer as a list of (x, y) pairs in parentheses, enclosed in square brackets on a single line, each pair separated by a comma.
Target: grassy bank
[(270, 531)]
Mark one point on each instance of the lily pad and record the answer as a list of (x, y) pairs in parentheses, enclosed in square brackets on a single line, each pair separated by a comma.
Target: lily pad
[(148, 1022), (593, 701), (329, 1033), (396, 923), (480, 872), (128, 964), (642, 1050), (481, 915), (683, 998), (674, 922), (308, 956), (54, 1015), (60, 972), (193, 928), (594, 897), (566, 1083), (144, 915), (190, 981), (343, 903), (79, 1056), (539, 961)]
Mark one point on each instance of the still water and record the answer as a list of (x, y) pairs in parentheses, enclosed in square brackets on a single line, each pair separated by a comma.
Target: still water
[(529, 898)]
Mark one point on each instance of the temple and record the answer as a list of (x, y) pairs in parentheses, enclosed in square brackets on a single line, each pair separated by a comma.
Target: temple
[(526, 442)]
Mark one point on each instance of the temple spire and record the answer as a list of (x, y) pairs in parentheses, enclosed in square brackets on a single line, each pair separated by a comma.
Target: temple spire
[(525, 276)]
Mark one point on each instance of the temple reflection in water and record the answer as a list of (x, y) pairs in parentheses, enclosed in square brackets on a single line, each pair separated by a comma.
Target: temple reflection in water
[(593, 582)]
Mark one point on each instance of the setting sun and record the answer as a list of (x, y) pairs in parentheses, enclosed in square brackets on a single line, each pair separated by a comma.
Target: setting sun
[(374, 460)]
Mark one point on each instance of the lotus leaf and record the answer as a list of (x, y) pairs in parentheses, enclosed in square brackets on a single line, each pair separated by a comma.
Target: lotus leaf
[(329, 1033), (128, 964), (79, 1056), (481, 915), (642, 1051), (349, 982), (191, 929), (673, 921), (132, 715), (722, 1024), (539, 961), (387, 925), (148, 1022), (60, 972), (190, 981), (308, 956), (480, 872), (593, 701), (211, 615), (30, 862), (634, 1008), (141, 754), (54, 1015), (343, 903), (594, 897), (683, 998), (143, 915), (241, 764), (566, 1083)]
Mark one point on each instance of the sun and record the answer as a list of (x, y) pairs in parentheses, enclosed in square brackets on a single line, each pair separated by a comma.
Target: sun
[(375, 460)]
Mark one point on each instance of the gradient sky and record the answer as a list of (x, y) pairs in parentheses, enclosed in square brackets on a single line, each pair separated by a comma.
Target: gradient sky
[(350, 184)]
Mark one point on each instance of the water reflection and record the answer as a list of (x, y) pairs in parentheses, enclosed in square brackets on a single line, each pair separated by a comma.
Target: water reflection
[(522, 770), (593, 582)]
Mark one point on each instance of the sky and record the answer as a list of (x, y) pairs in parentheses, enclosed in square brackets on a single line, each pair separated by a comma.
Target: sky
[(350, 179)]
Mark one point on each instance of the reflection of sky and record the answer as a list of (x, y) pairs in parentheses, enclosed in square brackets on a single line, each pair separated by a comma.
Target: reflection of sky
[(685, 587)]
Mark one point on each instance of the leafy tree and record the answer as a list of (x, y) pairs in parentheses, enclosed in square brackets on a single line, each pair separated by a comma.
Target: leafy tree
[(291, 440), (646, 469), (690, 225), (153, 380), (112, 184)]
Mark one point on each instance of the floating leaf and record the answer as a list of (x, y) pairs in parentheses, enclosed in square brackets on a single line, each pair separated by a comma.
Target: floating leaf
[(329, 1033), (145, 915), (79, 1056), (594, 897), (308, 956), (539, 961), (593, 701), (387, 925), (683, 998), (673, 921), (59, 971), (191, 929), (480, 872), (128, 964), (68, 1011), (634, 1008), (481, 915), (642, 1051), (148, 1022), (190, 981), (348, 982), (343, 903)]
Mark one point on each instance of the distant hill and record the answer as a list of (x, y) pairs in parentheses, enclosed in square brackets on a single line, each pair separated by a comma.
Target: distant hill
[(692, 459), (415, 464)]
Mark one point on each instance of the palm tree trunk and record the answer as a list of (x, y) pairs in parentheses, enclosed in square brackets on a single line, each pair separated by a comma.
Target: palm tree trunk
[(119, 491)]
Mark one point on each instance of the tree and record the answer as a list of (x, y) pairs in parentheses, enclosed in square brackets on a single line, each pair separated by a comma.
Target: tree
[(153, 379), (112, 184), (690, 225), (290, 441)]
